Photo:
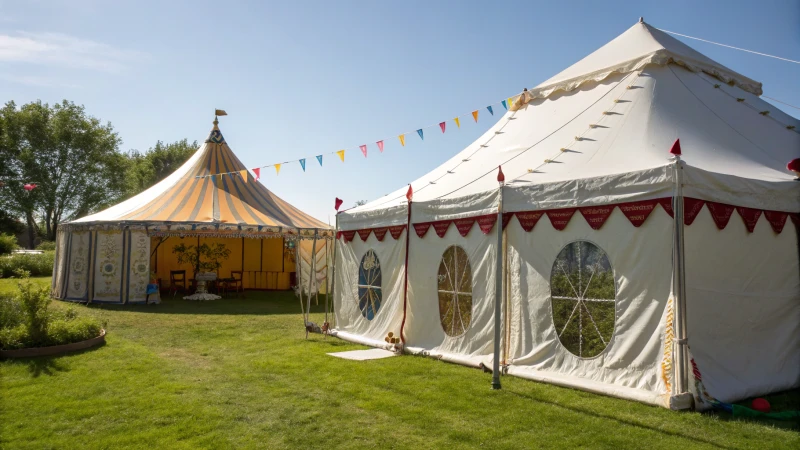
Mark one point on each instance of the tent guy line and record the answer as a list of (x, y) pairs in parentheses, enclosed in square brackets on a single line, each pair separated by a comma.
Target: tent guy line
[(729, 46)]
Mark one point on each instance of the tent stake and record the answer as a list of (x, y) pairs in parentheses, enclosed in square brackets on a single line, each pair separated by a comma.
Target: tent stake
[(498, 290)]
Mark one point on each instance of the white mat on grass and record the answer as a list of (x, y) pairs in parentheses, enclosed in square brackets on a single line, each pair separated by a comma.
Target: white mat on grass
[(364, 355)]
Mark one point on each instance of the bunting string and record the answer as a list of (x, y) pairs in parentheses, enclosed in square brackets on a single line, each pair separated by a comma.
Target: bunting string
[(363, 148)]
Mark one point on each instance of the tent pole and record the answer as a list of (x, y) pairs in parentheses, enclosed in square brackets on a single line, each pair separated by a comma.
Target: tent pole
[(298, 271), (679, 283), (498, 290), (405, 274), (327, 286), (333, 275), (312, 265)]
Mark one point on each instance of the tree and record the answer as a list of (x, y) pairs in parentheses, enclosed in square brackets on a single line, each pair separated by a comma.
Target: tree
[(72, 158), (359, 203), (148, 168)]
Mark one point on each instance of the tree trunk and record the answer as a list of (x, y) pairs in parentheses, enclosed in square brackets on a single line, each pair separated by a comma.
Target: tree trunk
[(47, 215), (31, 230)]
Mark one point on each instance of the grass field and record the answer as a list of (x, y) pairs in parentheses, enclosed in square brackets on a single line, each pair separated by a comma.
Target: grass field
[(238, 373)]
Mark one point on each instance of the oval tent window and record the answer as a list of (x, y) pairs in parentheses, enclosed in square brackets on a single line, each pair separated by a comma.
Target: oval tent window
[(583, 296), (369, 285), (455, 291)]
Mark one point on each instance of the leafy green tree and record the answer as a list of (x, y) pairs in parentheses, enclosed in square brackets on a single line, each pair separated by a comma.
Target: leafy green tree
[(71, 156), (148, 168)]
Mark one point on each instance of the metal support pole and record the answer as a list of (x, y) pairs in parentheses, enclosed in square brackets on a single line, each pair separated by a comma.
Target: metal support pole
[(498, 291), (679, 285), (333, 274), (312, 265), (298, 271)]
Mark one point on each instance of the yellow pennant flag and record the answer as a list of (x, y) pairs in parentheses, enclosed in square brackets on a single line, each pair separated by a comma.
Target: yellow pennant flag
[(277, 169), (510, 102), (243, 174), (341, 154), (458, 123), (475, 115), (402, 138)]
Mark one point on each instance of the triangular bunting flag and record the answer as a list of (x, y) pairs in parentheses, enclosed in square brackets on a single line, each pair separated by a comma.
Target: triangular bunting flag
[(510, 101), (750, 217), (776, 219), (257, 171), (721, 213), (364, 234), (458, 123), (340, 154), (380, 233), (505, 105), (527, 220), (380, 145), (464, 225), (363, 149), (692, 207), (490, 109), (559, 218), (277, 169), (638, 212), (442, 125), (397, 231), (402, 138), (441, 227), (243, 174), (319, 158), (486, 223), (422, 228), (419, 132), (596, 216), (475, 116), (303, 164)]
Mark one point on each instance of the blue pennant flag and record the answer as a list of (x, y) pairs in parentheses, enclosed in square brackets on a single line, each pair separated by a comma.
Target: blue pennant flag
[(303, 163), (419, 132), (504, 105), (490, 110), (319, 158)]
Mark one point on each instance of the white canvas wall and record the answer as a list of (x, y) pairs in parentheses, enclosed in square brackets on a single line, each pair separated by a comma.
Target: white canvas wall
[(138, 266), (80, 245)]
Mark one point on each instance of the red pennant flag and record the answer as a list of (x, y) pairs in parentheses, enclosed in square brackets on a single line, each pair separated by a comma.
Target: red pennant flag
[(638, 212), (692, 207), (676, 148), (721, 213), (338, 203), (464, 225), (500, 176), (666, 203), (363, 149), (380, 146), (410, 194), (559, 218), (348, 235), (527, 220), (422, 228), (380, 233), (441, 227), (442, 125), (364, 234), (257, 171), (396, 231), (776, 219), (507, 218), (596, 216), (750, 217), (486, 223)]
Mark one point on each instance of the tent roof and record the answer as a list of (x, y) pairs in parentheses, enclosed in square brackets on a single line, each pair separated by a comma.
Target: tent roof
[(639, 46), (188, 196), (607, 141)]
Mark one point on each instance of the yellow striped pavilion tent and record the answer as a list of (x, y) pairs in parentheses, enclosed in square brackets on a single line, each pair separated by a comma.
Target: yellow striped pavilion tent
[(112, 255)]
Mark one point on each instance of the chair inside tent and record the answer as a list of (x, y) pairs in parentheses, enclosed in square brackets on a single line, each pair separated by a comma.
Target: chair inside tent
[(210, 201), (622, 268)]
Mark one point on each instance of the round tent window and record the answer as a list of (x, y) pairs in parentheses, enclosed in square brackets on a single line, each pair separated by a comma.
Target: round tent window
[(583, 296), (455, 291), (369, 285)]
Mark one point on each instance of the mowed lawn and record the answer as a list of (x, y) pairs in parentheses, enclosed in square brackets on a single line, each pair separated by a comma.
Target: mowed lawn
[(239, 373)]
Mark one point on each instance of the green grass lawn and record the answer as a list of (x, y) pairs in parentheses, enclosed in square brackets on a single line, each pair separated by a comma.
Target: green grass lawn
[(238, 373)]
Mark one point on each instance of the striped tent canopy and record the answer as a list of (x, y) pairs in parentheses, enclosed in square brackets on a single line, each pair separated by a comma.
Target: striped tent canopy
[(189, 200)]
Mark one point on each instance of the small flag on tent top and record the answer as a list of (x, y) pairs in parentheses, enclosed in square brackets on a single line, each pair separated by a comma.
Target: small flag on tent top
[(243, 174), (500, 175), (458, 123), (442, 125), (475, 115), (257, 171), (220, 112), (409, 193), (490, 109), (363, 149), (505, 105), (319, 158), (419, 132), (380, 145), (340, 153), (338, 203), (277, 169), (303, 164), (676, 148), (402, 138)]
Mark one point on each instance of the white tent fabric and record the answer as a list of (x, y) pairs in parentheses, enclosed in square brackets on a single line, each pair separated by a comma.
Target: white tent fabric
[(593, 141)]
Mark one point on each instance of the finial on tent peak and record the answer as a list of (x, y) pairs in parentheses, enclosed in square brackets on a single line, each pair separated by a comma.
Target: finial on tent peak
[(794, 166), (675, 150), (501, 178), (641, 19), (217, 113)]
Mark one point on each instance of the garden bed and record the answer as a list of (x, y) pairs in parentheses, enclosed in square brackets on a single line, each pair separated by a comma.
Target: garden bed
[(55, 349)]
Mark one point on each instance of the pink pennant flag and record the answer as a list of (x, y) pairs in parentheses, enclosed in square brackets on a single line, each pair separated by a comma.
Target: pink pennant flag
[(442, 125), (257, 171), (363, 149), (380, 145)]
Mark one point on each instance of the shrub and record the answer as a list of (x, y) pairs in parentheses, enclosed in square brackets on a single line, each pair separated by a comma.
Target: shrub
[(38, 265), (8, 243), (72, 330), (11, 313), (46, 245)]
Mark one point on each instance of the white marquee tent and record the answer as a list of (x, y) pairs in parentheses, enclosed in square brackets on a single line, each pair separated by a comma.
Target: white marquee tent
[(623, 271)]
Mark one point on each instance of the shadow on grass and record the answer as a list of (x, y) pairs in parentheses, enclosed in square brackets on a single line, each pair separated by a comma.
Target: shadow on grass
[(618, 420), (48, 365)]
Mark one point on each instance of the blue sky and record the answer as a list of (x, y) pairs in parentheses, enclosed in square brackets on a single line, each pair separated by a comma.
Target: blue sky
[(303, 78)]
